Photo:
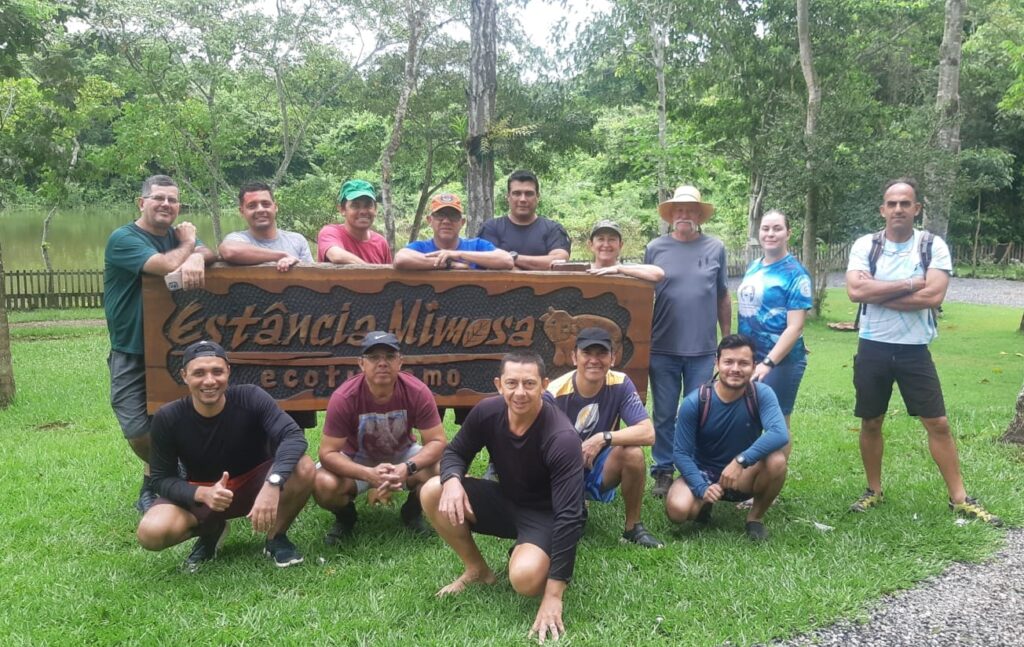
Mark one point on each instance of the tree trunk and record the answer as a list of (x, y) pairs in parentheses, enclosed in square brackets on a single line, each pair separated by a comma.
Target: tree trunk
[(941, 174), (416, 16), (1015, 431), (7, 390), (810, 241), (483, 86), (977, 234), (754, 207), (659, 37)]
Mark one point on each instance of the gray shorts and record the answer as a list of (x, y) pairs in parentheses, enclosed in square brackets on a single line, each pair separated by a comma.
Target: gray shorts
[(397, 459), (128, 393)]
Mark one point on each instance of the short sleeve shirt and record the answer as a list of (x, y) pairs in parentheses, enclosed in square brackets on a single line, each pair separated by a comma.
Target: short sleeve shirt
[(617, 401), (375, 250), (539, 238), (898, 262), (686, 302), (128, 249), (465, 245), (376, 431), (286, 241), (765, 297)]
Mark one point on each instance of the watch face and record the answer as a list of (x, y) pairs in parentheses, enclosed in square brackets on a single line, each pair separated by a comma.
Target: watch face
[(275, 479)]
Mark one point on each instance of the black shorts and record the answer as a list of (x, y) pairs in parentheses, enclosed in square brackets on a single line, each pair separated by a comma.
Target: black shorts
[(245, 488), (877, 365), (499, 517)]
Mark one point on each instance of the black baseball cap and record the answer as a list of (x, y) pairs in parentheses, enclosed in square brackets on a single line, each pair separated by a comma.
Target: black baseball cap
[(203, 348), (380, 338), (594, 337)]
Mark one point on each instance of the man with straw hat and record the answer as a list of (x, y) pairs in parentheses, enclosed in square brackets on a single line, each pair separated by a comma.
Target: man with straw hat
[(688, 304)]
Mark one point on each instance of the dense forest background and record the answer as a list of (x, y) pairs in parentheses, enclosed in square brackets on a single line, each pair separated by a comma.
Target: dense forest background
[(645, 95)]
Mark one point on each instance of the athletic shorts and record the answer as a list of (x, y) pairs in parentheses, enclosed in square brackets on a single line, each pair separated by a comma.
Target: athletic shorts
[(128, 392), (244, 487), (397, 459), (712, 477), (499, 517), (877, 365), (593, 479)]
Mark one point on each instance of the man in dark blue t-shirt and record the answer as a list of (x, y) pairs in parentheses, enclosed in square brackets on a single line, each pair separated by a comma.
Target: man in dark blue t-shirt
[(534, 241), (447, 250), (725, 456), (597, 400)]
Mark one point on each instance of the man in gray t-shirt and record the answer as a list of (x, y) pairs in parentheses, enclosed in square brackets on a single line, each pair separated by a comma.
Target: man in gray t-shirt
[(687, 305), (263, 242)]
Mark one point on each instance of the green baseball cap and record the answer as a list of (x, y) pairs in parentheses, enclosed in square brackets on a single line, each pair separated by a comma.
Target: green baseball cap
[(356, 189)]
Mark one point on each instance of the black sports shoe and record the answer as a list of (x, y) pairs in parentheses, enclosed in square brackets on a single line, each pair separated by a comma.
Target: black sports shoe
[(639, 535), (147, 497), (756, 531), (411, 514), (704, 516), (282, 551), (206, 547), (662, 482), (344, 524)]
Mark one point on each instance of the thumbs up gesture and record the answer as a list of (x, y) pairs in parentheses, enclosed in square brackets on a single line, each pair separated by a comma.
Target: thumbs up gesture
[(218, 496)]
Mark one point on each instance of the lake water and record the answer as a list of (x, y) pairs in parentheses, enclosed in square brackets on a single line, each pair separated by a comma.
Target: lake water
[(78, 236)]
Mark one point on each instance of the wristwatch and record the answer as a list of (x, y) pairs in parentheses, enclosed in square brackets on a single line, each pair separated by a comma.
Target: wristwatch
[(743, 462), (276, 480), (411, 466), (515, 256), (607, 439), (767, 361)]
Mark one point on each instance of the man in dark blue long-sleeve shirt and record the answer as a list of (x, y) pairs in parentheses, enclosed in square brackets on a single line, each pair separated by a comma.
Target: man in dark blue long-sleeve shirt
[(729, 442), (538, 500)]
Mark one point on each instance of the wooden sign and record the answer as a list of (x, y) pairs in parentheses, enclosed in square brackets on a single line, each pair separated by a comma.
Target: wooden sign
[(297, 333)]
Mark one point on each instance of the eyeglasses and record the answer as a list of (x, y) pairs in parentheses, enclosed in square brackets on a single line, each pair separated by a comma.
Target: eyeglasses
[(169, 199), (451, 216), (378, 357)]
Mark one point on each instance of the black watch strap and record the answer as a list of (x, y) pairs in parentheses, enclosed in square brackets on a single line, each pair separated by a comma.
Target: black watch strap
[(411, 466)]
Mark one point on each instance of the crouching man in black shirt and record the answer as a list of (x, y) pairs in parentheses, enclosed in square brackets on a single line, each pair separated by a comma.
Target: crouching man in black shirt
[(242, 456), (538, 500)]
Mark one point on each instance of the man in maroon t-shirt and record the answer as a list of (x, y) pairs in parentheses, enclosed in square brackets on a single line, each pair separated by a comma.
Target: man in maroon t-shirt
[(368, 442)]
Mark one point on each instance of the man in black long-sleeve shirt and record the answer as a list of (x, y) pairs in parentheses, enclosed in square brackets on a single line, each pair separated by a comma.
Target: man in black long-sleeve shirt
[(538, 500), (223, 436)]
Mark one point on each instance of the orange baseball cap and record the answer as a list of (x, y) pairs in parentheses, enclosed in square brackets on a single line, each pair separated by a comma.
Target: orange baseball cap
[(443, 200)]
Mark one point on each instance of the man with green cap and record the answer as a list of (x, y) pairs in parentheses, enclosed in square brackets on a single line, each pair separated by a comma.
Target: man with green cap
[(352, 241)]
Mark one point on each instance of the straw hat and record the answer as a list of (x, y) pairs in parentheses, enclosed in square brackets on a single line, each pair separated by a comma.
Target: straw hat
[(683, 194)]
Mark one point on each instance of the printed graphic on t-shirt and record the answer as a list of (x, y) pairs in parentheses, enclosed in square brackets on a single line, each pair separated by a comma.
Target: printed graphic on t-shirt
[(382, 435), (587, 419)]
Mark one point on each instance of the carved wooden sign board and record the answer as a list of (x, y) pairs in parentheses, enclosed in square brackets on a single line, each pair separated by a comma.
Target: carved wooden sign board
[(297, 334)]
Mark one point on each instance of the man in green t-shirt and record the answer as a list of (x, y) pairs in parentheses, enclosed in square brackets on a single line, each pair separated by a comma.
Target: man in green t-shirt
[(150, 245)]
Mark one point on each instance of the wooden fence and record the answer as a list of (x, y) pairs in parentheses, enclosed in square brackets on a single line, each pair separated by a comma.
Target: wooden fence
[(33, 289)]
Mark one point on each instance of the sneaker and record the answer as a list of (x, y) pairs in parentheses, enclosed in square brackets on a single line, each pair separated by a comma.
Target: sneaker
[(282, 551), (206, 547), (662, 482), (343, 526), (411, 514), (868, 500), (147, 497), (971, 509), (756, 531), (704, 516), (639, 535)]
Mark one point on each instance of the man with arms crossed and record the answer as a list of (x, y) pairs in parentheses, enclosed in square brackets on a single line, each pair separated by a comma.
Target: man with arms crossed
[(538, 501), (263, 242), (150, 245), (534, 241), (368, 441), (597, 399), (447, 250), (242, 454), (720, 449), (353, 242), (896, 326), (688, 304)]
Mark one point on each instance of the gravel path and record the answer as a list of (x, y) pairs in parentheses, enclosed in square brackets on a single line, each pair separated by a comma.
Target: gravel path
[(998, 292), (970, 605)]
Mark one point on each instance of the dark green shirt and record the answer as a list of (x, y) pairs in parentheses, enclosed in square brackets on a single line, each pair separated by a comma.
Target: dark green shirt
[(128, 249)]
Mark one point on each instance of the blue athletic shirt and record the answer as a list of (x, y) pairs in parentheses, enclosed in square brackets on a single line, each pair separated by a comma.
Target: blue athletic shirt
[(618, 401), (765, 297), (465, 245)]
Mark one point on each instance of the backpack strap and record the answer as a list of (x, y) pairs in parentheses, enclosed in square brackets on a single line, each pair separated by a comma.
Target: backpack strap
[(877, 245), (704, 402), (924, 251)]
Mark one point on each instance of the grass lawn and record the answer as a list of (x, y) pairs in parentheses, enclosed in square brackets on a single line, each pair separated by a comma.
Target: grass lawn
[(71, 572)]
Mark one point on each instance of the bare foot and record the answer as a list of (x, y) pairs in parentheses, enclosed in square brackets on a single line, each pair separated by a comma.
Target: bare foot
[(467, 578)]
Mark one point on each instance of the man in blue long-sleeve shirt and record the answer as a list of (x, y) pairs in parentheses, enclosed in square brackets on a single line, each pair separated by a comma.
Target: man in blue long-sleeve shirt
[(729, 442)]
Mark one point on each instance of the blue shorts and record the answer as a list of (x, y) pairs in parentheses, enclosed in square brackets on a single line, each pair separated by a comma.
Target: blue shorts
[(785, 379), (712, 476), (593, 479)]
